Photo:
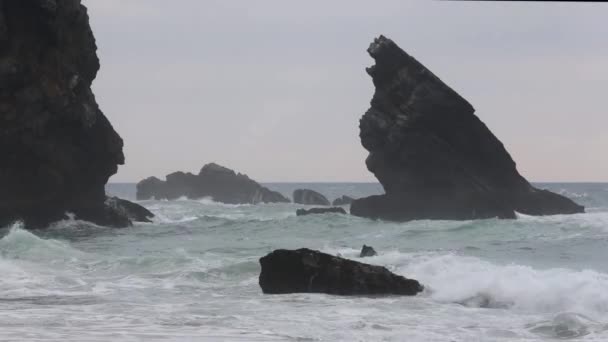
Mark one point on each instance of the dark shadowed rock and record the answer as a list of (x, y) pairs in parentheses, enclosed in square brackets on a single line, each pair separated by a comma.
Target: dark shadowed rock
[(305, 270), (433, 156), (344, 200), (337, 210), (309, 197), (133, 211), (57, 148), (367, 251), (218, 182)]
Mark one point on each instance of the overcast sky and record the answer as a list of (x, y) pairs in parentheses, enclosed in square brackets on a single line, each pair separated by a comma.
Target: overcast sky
[(275, 89)]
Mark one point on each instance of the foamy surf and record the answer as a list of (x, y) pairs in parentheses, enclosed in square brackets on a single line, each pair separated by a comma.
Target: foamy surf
[(192, 275)]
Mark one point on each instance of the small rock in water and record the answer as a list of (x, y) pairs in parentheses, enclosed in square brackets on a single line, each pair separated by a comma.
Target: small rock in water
[(308, 271), (344, 200), (367, 251), (302, 212), (310, 197)]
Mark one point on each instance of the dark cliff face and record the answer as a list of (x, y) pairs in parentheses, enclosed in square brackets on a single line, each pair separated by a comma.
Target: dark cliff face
[(222, 184), (57, 148), (432, 154)]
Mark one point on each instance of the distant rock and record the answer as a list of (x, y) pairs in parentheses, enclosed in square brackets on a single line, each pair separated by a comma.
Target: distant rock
[(216, 181), (337, 210), (58, 149), (433, 156), (367, 251), (309, 271), (309, 197), (344, 200)]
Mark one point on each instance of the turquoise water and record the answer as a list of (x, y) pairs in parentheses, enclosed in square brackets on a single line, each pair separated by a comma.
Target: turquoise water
[(192, 275)]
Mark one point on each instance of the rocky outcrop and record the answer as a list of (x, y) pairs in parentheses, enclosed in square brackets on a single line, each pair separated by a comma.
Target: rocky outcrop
[(218, 182), (367, 251), (305, 270), (344, 200), (309, 197), (336, 210), (432, 154), (58, 149), (133, 211)]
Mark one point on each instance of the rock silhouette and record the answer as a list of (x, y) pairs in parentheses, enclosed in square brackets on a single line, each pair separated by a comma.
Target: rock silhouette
[(367, 251), (432, 154), (305, 270), (58, 149), (220, 183), (309, 197), (344, 200)]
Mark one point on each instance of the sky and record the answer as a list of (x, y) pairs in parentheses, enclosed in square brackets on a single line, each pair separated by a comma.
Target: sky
[(275, 88)]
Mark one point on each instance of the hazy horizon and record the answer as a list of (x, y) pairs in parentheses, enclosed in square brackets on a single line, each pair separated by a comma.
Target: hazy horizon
[(275, 90)]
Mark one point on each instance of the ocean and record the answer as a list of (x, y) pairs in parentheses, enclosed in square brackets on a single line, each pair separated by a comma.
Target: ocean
[(192, 275)]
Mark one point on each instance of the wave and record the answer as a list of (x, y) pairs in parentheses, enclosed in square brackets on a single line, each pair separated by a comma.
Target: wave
[(24, 245), (473, 282)]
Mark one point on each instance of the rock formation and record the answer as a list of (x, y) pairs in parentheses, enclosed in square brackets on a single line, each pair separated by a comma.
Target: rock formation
[(367, 251), (134, 212), (309, 197), (305, 270), (218, 182), (58, 149), (337, 210), (344, 200), (432, 154)]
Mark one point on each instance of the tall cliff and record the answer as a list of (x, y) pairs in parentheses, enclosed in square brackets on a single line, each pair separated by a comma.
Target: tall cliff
[(432, 154), (57, 149)]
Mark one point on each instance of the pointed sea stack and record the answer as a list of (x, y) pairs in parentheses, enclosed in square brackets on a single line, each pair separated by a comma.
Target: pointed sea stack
[(432, 154), (58, 149)]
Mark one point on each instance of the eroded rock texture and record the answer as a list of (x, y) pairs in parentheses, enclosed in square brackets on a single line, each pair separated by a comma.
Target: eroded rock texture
[(220, 183), (57, 148), (432, 154)]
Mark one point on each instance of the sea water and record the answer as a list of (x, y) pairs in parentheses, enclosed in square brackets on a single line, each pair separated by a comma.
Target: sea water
[(192, 275)]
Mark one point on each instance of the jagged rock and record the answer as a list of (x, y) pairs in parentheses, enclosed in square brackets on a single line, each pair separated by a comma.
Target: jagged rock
[(133, 211), (337, 210), (433, 156), (309, 197), (58, 149), (305, 270), (367, 251), (218, 182), (344, 200)]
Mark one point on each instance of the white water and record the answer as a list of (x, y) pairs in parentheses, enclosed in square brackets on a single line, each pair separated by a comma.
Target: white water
[(192, 276)]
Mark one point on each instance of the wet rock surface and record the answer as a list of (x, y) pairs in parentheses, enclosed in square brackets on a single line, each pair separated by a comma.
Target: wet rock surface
[(305, 270), (434, 157), (313, 211), (367, 251)]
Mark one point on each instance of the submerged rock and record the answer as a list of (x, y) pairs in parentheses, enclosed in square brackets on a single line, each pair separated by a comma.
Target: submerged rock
[(220, 183), (432, 154), (337, 210), (305, 270), (58, 149), (309, 197), (367, 251), (344, 200)]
